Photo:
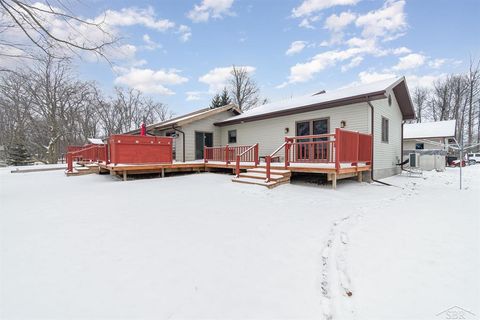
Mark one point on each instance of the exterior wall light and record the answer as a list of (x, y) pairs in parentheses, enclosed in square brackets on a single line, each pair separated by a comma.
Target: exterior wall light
[(286, 130), (343, 124)]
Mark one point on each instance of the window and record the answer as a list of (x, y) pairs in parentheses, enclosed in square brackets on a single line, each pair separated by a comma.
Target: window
[(419, 146), (384, 130), (232, 136)]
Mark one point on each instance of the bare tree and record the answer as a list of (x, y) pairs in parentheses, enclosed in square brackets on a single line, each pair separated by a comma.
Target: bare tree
[(244, 90), (128, 109), (26, 27), (473, 89), (420, 99)]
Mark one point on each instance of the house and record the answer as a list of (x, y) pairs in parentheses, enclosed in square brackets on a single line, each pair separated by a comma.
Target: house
[(350, 132), (347, 108), (425, 144), (193, 131)]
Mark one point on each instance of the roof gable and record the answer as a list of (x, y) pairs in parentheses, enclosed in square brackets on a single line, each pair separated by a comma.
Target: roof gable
[(190, 117)]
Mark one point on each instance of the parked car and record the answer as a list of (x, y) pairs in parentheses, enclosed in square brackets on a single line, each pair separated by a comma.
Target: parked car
[(456, 163), (473, 158)]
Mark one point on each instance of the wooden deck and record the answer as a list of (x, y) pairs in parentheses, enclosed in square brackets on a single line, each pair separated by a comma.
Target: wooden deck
[(199, 166)]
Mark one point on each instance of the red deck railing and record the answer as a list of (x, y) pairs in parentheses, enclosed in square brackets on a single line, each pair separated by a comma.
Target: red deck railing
[(229, 154), (87, 153), (342, 147), (133, 149)]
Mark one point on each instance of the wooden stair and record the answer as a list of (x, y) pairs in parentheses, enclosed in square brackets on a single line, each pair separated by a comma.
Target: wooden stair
[(259, 175), (82, 170)]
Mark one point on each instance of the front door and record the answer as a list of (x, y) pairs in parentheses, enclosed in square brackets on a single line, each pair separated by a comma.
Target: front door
[(306, 152), (202, 139)]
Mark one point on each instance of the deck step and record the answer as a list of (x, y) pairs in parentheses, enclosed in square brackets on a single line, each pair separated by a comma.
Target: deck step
[(261, 175), (270, 184), (284, 173)]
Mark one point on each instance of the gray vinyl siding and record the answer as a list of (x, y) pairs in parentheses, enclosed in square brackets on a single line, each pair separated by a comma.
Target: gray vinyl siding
[(203, 125), (270, 133), (387, 154), (409, 144)]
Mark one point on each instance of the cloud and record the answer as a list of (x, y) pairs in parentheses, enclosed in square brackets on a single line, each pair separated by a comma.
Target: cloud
[(149, 43), (302, 72), (307, 22), (150, 81), (425, 81), (387, 23), (135, 16), (413, 80), (308, 7), (296, 47), (194, 95), (337, 23), (368, 77), (217, 78), (185, 32), (352, 64), (413, 60), (210, 9), (437, 63)]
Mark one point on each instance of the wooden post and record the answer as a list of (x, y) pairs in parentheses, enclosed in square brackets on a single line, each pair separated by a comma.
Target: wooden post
[(237, 166), (106, 153), (268, 160), (255, 150), (287, 153), (226, 155), (124, 175), (337, 150), (205, 155), (334, 180), (69, 162), (163, 172), (360, 176)]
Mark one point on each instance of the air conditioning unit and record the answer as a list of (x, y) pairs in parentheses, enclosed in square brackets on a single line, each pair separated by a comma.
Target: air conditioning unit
[(414, 160)]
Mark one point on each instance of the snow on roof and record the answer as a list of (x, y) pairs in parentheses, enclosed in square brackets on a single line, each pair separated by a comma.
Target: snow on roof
[(439, 129), (342, 93), (95, 141)]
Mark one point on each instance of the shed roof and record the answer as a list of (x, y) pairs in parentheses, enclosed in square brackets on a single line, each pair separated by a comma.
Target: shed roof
[(334, 98), (439, 129)]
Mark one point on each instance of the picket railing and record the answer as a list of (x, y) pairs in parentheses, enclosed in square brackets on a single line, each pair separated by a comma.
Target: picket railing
[(341, 147), (228, 154), (88, 153), (249, 155)]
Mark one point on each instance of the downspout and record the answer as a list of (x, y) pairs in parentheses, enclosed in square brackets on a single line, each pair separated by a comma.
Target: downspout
[(401, 148), (183, 141), (372, 121)]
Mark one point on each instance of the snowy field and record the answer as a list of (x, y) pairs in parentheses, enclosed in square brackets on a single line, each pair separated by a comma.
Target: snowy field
[(201, 247)]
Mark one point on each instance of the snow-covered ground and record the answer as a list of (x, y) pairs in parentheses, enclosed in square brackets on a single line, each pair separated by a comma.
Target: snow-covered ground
[(201, 247)]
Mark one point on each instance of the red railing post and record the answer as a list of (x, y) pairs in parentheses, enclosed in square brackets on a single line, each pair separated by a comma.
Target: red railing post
[(106, 153), (237, 166), (255, 154), (205, 155), (226, 155), (69, 162), (358, 147), (268, 160), (287, 153), (337, 148)]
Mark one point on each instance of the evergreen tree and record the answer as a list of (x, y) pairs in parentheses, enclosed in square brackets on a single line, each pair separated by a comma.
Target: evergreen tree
[(18, 155), (225, 97), (216, 102)]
